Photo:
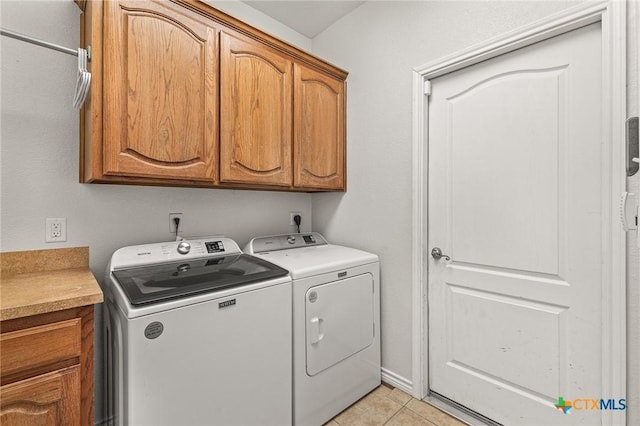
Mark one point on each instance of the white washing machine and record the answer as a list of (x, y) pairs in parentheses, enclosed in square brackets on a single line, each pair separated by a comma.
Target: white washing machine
[(197, 333), (336, 321)]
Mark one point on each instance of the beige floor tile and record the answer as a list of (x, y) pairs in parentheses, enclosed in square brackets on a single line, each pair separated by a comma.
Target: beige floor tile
[(381, 404), (433, 414), (392, 407), (399, 396), (375, 409), (355, 416), (349, 415), (406, 417), (383, 390), (367, 419)]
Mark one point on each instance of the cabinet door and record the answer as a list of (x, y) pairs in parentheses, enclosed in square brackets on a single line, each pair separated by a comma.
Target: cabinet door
[(160, 92), (319, 150), (255, 111), (49, 399)]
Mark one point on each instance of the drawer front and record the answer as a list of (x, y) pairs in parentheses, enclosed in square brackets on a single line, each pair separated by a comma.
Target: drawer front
[(38, 346)]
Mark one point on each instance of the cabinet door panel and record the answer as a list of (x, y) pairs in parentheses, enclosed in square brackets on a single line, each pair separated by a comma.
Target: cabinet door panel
[(319, 150), (49, 399), (160, 102), (256, 90)]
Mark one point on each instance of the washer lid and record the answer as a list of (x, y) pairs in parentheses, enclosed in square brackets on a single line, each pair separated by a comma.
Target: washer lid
[(160, 282)]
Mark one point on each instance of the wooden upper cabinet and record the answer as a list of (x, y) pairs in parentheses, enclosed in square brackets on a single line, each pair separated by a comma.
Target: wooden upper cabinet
[(255, 113), (160, 92), (183, 94), (319, 137)]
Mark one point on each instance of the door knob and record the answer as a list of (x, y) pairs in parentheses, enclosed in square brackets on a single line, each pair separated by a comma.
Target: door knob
[(436, 253)]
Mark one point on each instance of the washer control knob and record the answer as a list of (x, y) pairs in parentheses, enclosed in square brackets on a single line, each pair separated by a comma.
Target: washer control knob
[(291, 239), (184, 247)]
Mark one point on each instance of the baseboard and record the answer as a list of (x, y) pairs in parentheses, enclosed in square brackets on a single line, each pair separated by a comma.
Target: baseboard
[(397, 381)]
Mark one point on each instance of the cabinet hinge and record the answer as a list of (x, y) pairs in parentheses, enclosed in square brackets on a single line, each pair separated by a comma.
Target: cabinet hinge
[(427, 87)]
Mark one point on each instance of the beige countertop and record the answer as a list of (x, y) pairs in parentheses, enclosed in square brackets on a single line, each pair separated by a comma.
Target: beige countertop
[(41, 281)]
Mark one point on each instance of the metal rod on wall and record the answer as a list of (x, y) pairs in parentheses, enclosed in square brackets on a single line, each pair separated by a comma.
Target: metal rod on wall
[(38, 42), (84, 76)]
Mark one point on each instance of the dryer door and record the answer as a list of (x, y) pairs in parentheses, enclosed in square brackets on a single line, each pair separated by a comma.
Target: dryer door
[(339, 321)]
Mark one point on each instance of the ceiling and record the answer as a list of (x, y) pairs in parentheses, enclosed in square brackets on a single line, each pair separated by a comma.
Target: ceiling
[(309, 18)]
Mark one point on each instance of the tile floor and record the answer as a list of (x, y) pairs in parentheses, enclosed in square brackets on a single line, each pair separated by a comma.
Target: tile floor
[(392, 407)]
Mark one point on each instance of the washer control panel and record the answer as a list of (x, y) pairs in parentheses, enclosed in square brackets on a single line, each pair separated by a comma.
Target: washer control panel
[(214, 246), (127, 257), (284, 242), (309, 239)]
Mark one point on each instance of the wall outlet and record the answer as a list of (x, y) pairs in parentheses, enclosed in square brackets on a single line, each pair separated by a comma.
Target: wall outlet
[(172, 223), (55, 229), (291, 215)]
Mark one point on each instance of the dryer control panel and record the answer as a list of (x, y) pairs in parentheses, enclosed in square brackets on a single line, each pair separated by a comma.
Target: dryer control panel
[(284, 242)]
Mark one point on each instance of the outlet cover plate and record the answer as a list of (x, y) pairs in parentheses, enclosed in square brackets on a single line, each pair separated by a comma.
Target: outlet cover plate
[(172, 224), (55, 229)]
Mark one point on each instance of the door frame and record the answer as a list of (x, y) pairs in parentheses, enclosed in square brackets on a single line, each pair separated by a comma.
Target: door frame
[(612, 16)]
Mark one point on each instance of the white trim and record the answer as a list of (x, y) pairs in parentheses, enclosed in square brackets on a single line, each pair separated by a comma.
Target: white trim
[(614, 311), (613, 17), (419, 292), (397, 381), (562, 22)]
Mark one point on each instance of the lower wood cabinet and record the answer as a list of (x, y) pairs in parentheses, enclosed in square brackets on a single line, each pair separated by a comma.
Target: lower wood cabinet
[(46, 370)]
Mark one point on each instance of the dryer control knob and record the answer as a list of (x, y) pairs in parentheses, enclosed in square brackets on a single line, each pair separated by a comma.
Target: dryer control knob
[(184, 247), (291, 239)]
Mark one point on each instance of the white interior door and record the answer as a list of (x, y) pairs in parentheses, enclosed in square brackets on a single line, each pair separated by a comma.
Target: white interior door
[(515, 199)]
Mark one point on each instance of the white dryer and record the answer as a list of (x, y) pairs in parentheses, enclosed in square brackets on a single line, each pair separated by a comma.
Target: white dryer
[(336, 321)]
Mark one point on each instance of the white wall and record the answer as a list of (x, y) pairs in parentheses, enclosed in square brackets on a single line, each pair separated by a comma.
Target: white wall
[(265, 23), (39, 159), (379, 44)]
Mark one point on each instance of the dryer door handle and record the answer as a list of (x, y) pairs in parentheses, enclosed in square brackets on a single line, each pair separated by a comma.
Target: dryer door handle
[(315, 334)]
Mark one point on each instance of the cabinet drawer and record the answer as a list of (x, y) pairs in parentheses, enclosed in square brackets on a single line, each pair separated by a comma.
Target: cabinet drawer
[(38, 346)]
